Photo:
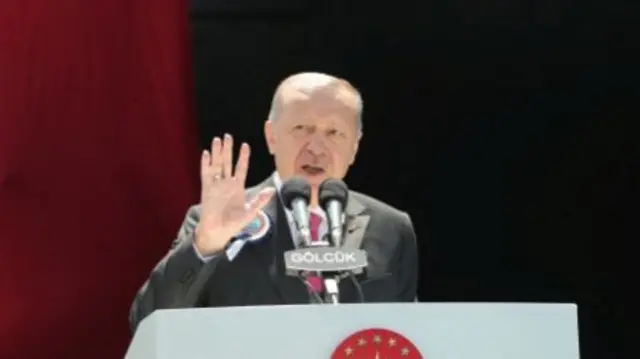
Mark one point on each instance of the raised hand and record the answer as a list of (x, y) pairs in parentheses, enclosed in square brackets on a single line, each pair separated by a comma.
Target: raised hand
[(224, 211)]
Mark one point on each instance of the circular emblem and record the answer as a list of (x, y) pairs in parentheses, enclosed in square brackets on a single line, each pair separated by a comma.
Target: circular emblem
[(257, 229), (376, 344)]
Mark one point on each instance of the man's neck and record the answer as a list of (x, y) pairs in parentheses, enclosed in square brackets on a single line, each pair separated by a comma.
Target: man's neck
[(314, 198)]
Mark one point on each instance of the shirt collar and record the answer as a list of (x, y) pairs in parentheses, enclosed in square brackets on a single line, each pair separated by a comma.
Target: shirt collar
[(277, 181)]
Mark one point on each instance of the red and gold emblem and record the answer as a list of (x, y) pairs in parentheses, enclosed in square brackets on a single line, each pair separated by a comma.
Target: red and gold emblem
[(376, 344)]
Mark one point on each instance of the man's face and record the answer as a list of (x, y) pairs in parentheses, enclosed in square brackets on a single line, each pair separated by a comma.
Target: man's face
[(315, 137)]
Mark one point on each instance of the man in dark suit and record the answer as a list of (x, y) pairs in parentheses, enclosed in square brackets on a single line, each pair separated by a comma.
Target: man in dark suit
[(313, 131)]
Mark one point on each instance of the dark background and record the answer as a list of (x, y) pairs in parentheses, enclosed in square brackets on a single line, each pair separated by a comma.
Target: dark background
[(498, 126)]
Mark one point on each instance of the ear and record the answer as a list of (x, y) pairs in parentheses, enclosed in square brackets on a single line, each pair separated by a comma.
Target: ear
[(356, 146), (269, 137)]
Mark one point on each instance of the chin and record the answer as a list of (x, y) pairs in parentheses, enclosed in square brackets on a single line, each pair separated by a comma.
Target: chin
[(314, 180)]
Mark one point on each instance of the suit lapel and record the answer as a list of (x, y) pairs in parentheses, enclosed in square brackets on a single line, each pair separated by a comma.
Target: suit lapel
[(355, 223), (289, 289), (265, 251)]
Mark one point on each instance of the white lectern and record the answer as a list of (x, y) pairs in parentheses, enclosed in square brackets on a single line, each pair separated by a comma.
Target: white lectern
[(438, 331)]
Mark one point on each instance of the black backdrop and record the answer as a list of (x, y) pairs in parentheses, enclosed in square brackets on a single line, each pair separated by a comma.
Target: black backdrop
[(496, 125)]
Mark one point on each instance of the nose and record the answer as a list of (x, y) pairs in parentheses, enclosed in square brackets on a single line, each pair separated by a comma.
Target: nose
[(316, 145)]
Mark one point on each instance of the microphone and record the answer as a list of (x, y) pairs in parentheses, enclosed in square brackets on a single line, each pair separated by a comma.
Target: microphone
[(333, 196), (323, 259), (296, 194)]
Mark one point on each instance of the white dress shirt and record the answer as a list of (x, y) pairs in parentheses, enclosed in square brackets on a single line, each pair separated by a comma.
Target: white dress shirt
[(237, 245)]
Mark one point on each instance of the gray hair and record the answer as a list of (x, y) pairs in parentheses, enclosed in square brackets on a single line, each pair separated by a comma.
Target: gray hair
[(310, 81)]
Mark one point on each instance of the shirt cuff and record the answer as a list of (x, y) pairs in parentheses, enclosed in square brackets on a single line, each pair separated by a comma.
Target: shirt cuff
[(202, 258)]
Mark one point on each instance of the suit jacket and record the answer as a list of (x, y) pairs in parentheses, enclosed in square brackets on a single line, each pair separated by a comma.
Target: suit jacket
[(257, 276)]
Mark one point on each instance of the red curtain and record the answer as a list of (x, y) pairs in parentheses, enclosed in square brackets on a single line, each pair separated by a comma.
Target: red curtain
[(98, 164)]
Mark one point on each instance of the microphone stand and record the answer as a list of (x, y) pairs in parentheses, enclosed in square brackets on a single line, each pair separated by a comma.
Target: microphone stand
[(331, 289), (332, 293)]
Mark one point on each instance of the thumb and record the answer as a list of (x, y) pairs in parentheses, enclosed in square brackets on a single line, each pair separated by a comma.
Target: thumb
[(259, 201)]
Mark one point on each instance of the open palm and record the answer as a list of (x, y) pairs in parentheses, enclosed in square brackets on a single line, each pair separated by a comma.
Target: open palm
[(224, 211)]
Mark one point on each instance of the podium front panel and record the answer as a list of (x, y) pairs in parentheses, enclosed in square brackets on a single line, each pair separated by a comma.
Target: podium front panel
[(439, 331)]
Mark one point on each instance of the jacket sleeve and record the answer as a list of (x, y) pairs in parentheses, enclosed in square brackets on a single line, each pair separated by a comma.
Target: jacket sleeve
[(408, 263), (178, 280)]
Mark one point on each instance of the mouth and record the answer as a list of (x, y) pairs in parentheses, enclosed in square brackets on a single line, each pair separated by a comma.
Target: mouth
[(312, 170)]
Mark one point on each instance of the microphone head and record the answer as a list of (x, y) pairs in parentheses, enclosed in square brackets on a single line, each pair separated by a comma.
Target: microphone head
[(333, 189), (296, 187)]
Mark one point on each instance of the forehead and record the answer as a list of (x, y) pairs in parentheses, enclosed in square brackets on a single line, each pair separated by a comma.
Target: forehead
[(326, 102)]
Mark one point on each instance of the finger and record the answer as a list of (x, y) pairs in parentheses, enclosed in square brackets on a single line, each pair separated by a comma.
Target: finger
[(227, 155), (242, 166), (205, 167), (216, 157), (259, 201)]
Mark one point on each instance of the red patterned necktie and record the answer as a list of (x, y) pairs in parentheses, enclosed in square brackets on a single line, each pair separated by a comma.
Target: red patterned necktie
[(315, 282)]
